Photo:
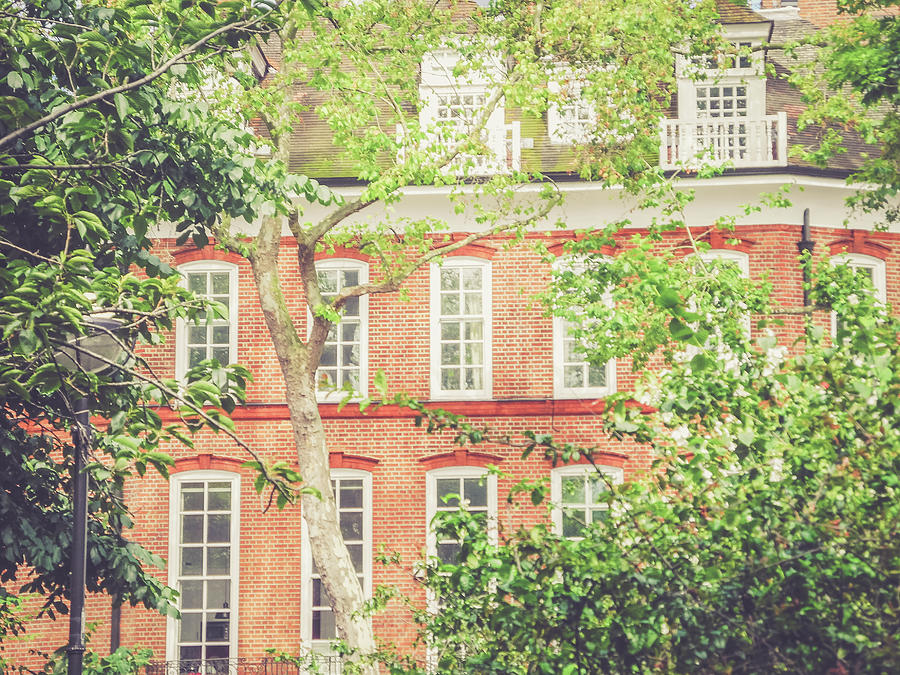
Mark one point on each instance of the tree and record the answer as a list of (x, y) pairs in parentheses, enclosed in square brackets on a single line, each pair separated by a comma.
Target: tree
[(857, 64), (359, 64), (764, 539), (104, 131)]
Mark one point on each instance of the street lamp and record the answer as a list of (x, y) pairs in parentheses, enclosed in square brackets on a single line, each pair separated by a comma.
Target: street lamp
[(95, 352)]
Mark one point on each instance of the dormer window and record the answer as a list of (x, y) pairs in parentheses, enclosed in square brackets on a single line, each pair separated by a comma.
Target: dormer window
[(450, 106), (722, 109)]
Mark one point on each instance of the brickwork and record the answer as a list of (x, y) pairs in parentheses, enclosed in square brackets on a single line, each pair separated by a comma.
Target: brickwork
[(388, 443)]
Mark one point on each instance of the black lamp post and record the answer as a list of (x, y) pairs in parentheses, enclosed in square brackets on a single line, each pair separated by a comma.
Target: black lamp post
[(94, 353)]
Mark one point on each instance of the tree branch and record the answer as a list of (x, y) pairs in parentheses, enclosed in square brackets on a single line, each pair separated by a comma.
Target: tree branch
[(134, 84)]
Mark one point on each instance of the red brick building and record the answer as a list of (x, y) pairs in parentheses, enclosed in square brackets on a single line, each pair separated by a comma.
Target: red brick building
[(470, 337)]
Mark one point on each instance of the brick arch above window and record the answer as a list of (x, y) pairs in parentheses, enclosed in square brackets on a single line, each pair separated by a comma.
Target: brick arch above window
[(339, 460), (559, 250), (206, 462), (603, 458), (719, 241), (189, 255), (341, 252), (860, 243), (460, 457), (470, 250)]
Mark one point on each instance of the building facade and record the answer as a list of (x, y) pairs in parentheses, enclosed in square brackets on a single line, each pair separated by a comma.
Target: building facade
[(468, 336)]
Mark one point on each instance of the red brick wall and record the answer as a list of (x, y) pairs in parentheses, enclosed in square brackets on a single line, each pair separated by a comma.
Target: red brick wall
[(269, 586)]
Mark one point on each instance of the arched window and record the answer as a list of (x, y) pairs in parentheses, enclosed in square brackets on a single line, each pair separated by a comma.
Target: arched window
[(204, 545), (344, 360), (211, 336), (461, 329), (446, 490), (873, 268), (353, 494), (573, 375), (575, 490)]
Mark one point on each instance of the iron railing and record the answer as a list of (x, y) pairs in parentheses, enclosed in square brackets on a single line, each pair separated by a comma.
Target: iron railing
[(324, 664)]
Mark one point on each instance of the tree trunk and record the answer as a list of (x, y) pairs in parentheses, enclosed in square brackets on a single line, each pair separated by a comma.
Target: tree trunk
[(294, 356)]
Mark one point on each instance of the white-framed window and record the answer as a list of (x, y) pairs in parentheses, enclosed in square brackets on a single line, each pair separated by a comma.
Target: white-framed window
[(575, 491), (344, 359), (446, 490), (204, 547), (450, 104), (210, 336), (461, 329), (873, 268), (573, 375), (353, 494), (737, 258), (571, 118)]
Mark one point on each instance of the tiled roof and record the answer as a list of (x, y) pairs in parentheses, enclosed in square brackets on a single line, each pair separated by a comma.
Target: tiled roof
[(313, 153), (736, 11)]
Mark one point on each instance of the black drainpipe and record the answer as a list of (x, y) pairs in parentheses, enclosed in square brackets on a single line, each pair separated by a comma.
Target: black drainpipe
[(805, 245)]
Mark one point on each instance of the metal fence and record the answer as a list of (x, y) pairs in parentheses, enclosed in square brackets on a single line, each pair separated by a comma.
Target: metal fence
[(323, 664)]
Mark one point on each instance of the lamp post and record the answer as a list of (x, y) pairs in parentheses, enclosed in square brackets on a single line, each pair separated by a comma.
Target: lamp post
[(93, 353)]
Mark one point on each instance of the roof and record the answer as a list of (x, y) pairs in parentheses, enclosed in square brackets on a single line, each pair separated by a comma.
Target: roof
[(313, 153), (735, 11)]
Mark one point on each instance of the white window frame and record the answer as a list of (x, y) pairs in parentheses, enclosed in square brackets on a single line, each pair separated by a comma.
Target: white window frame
[(363, 269), (753, 77), (616, 474), (741, 259), (560, 130), (175, 482), (458, 472), (181, 326), (484, 393), (324, 646), (861, 260), (560, 330)]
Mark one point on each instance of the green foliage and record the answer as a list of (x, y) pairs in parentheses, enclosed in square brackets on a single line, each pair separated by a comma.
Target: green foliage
[(852, 85), (763, 540), (108, 126)]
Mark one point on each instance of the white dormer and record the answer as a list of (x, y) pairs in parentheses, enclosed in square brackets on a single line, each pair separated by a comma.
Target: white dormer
[(452, 96)]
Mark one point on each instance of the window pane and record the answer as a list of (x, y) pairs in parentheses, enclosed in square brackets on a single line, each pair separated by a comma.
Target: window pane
[(450, 379), (351, 524), (475, 491), (472, 304), (220, 283), (328, 281), (596, 376), (351, 494), (473, 379), (220, 335), (197, 283), (449, 279), (449, 304), (450, 330), (217, 593), (191, 562), (191, 594), (446, 487), (220, 500), (218, 560), (471, 277), (356, 555), (217, 627), (351, 307), (448, 552), (221, 355), (323, 625), (350, 331), (350, 278), (195, 356), (449, 354), (192, 529), (473, 330), (191, 624), (573, 523), (196, 335), (573, 377), (218, 528), (572, 489), (473, 354)]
